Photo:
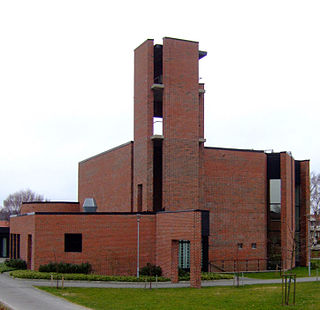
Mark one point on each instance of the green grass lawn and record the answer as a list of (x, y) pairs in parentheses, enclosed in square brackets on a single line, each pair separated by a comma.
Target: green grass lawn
[(299, 271), (213, 298)]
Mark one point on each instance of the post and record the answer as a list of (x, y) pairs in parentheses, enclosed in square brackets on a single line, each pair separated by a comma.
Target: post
[(310, 245), (138, 244)]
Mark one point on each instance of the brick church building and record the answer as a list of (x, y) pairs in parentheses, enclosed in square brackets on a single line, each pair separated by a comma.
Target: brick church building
[(166, 198)]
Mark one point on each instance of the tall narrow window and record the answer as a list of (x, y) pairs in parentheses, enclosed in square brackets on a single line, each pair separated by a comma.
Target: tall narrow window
[(275, 199), (18, 245), (184, 254), (15, 246), (139, 198)]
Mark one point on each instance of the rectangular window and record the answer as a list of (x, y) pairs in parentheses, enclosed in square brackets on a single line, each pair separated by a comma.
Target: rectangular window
[(253, 245), (18, 245), (4, 247), (184, 254), (11, 245), (73, 242), (15, 246), (275, 199), (240, 246), (139, 202)]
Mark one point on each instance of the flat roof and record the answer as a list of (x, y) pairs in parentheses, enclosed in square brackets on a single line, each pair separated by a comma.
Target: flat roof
[(233, 149), (108, 213)]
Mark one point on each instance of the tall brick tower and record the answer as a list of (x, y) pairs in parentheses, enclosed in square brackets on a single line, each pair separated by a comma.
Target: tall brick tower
[(168, 163)]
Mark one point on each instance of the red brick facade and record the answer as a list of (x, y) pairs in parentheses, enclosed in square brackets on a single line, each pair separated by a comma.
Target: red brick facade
[(109, 240), (174, 182), (235, 193), (108, 177), (48, 206)]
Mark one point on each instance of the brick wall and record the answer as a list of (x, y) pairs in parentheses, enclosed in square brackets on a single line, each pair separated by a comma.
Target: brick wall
[(235, 193), (287, 171), (4, 223), (109, 242), (107, 177), (304, 211), (49, 206), (180, 125), (143, 124), (172, 227), (25, 225)]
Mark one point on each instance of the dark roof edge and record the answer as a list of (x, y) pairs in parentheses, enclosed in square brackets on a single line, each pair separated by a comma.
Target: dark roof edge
[(109, 213), (48, 202), (105, 152), (233, 149), (143, 43)]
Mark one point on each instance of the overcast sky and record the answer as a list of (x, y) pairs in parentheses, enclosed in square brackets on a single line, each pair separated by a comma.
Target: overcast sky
[(66, 80)]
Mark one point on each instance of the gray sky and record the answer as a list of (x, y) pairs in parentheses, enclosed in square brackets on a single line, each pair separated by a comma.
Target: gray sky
[(66, 80)]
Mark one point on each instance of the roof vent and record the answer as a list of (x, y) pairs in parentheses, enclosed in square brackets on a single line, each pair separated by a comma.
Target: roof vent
[(89, 205)]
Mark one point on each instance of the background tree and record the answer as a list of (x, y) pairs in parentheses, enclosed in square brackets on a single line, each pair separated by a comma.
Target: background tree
[(12, 204), (315, 192)]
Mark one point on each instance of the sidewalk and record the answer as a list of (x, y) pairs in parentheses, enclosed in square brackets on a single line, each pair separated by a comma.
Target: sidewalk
[(19, 294)]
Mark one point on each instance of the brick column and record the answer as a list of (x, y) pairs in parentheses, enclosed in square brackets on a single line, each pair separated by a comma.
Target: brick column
[(304, 212), (174, 261), (195, 253), (287, 210)]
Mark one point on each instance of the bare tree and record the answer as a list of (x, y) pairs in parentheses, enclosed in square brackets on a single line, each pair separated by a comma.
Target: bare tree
[(12, 204), (315, 192)]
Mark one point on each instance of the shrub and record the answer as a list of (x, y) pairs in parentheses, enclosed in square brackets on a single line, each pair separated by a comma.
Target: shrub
[(151, 270), (61, 267), (183, 274), (315, 264), (16, 263), (5, 268)]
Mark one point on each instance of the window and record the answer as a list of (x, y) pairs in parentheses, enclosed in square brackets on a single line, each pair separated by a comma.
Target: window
[(184, 254), (253, 245), (275, 199), (73, 242), (240, 246), (139, 202)]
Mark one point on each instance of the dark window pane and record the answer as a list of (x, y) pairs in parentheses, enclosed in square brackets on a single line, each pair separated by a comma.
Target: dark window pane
[(73, 242)]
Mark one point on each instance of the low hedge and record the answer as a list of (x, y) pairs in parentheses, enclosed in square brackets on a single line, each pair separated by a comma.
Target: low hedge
[(29, 274), (16, 263), (5, 268), (206, 276), (66, 268)]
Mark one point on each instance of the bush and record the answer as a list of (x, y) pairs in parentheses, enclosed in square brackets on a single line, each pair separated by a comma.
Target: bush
[(151, 270), (183, 274), (315, 264), (315, 254), (84, 268), (5, 268), (16, 263)]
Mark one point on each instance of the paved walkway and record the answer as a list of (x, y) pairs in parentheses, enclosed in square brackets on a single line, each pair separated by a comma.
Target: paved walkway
[(19, 294)]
